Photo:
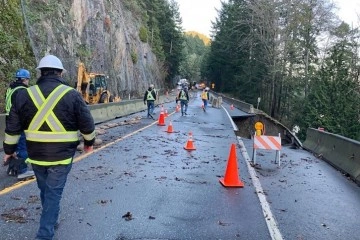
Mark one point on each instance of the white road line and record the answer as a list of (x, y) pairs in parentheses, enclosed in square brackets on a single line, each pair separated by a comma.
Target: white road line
[(232, 122), (269, 218)]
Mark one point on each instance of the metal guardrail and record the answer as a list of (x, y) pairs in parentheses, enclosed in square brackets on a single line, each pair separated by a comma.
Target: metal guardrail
[(105, 112), (341, 152)]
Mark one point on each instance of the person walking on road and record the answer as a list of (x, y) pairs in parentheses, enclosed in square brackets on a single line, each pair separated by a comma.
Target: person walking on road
[(50, 113), (149, 98), (17, 166), (205, 98), (184, 99)]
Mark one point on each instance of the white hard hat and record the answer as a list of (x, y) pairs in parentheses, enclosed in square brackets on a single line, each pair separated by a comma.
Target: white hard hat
[(152, 85), (50, 61)]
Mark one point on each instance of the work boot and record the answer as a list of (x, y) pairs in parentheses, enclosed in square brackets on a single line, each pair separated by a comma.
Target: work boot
[(25, 175)]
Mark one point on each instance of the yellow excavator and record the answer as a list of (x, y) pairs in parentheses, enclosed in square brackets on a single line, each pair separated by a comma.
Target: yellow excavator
[(93, 87)]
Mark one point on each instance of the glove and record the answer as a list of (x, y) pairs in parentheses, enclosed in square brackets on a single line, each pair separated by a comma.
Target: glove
[(7, 158), (14, 166), (88, 149)]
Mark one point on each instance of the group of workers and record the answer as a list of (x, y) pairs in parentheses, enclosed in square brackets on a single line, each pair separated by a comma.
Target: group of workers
[(182, 96), (42, 125)]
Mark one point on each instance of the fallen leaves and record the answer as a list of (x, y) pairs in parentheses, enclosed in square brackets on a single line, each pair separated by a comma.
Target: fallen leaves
[(223, 223), (128, 216), (18, 215)]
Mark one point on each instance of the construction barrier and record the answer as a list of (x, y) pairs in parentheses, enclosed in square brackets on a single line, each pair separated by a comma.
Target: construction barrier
[(341, 152), (216, 102), (190, 143), (231, 177), (267, 143)]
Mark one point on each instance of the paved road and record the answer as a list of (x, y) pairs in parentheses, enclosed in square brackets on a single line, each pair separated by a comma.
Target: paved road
[(171, 193)]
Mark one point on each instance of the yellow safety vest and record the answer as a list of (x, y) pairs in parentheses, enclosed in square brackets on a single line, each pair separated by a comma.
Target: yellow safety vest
[(183, 95), (150, 96), (44, 114), (204, 95), (9, 93)]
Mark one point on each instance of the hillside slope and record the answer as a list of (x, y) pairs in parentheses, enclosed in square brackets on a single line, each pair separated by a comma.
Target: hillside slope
[(100, 33)]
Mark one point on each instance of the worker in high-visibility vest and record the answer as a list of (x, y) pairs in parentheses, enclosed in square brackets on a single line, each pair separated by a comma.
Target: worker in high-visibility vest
[(50, 113), (205, 98), (149, 99), (17, 166), (183, 96)]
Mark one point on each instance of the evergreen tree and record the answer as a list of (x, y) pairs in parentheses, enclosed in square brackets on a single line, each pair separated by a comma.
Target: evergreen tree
[(172, 36), (334, 99), (194, 51)]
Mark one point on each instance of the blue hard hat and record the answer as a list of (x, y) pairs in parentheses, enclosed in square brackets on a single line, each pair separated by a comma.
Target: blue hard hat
[(22, 73)]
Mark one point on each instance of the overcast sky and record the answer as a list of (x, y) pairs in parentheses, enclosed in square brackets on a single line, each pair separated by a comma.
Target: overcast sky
[(198, 14)]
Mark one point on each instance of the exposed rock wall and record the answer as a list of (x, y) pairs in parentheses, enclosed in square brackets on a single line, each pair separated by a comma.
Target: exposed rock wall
[(101, 33)]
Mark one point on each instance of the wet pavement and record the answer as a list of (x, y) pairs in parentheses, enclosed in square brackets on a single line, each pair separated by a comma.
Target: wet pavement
[(142, 184)]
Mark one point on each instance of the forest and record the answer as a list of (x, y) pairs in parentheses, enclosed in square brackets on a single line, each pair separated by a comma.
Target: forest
[(297, 57)]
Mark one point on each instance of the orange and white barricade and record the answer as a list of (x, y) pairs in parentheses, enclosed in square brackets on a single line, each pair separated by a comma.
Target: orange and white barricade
[(267, 143)]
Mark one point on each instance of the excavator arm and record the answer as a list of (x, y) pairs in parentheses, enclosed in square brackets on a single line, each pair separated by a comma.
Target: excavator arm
[(93, 87), (83, 80)]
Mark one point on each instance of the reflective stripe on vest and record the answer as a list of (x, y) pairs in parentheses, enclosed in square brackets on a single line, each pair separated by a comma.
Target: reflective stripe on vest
[(8, 102), (42, 163), (90, 136), (45, 114), (11, 139), (183, 95), (150, 96)]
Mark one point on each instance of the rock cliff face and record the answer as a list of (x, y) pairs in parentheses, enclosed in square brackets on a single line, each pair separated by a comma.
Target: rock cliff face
[(100, 33)]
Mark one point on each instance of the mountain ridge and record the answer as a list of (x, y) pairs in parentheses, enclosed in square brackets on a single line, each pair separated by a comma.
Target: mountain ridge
[(203, 37)]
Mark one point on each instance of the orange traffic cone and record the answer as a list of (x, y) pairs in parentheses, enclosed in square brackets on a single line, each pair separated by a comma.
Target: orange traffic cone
[(170, 128), (231, 178), (177, 108), (166, 113), (190, 143), (232, 107), (161, 121)]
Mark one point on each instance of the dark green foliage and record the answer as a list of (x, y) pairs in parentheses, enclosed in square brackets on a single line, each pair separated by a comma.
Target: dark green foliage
[(194, 51), (172, 37), (234, 64), (15, 48), (143, 34), (270, 49), (334, 100), (165, 33), (134, 56)]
